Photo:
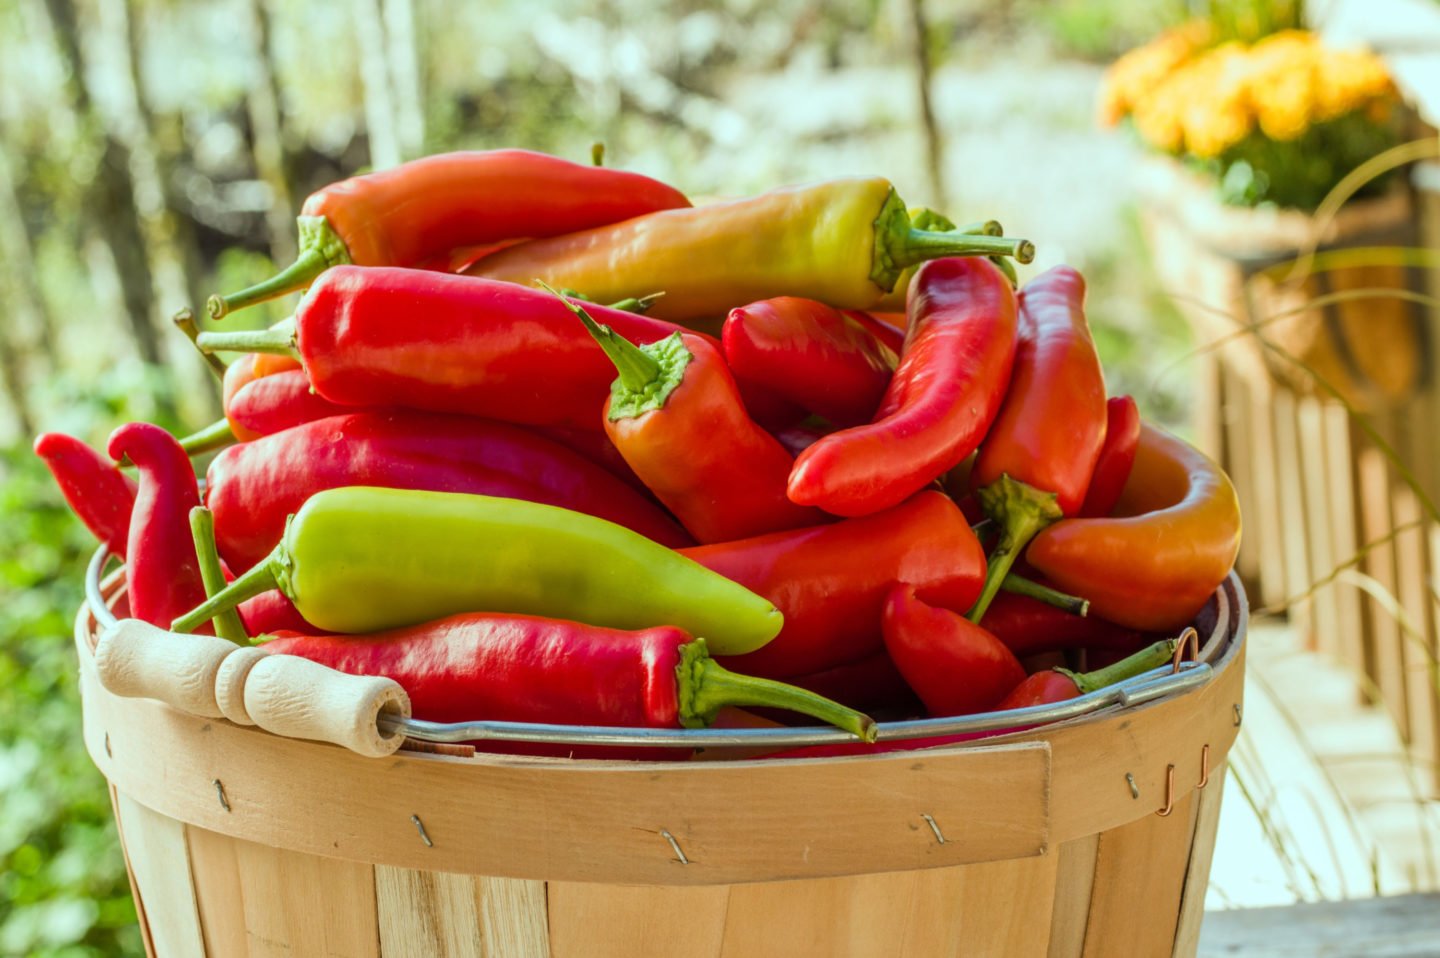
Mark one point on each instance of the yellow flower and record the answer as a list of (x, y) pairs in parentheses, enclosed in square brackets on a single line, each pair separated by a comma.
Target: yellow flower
[(1135, 75)]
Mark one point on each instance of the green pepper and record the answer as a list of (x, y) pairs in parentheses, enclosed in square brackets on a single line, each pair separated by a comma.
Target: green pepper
[(360, 559)]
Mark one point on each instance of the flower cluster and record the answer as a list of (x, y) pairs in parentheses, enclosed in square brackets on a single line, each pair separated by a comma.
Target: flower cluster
[(1186, 99)]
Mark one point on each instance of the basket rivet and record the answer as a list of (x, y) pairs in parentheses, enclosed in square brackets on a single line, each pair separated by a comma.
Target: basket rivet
[(420, 827), (674, 846), (1134, 788), (934, 827), (1237, 714), (1205, 766), (1169, 792), (220, 794)]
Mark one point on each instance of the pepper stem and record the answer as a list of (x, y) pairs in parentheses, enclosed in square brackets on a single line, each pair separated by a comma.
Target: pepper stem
[(217, 435), (262, 578), (202, 528), (1150, 657), (320, 248), (638, 304), (184, 321), (1020, 585), (637, 370), (278, 339), (704, 687), (901, 243), (1022, 511)]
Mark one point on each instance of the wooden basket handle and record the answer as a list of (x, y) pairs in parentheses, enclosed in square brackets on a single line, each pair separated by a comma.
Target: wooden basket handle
[(284, 694)]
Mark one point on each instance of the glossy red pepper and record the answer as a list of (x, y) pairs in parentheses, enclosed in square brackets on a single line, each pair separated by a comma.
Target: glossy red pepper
[(1117, 455), (93, 486), (597, 447), (946, 390), (954, 665), (271, 612), (831, 581), (397, 337), (240, 374), (883, 327), (422, 212), (677, 417), (277, 402), (1028, 626), (811, 354), (524, 668), (796, 439), (162, 572), (1037, 459), (253, 487), (868, 684)]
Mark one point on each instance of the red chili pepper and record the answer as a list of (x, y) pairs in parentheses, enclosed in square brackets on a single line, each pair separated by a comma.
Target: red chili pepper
[(796, 439), (1117, 455), (676, 416), (253, 487), (1028, 626), (162, 572), (271, 612), (809, 353), (397, 337), (945, 392), (1037, 459), (1061, 685), (597, 447), (93, 486), (954, 665), (886, 327), (422, 211), (524, 668), (277, 402), (830, 582), (871, 683)]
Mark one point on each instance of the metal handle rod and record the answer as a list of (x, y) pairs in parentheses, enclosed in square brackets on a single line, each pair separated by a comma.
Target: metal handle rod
[(1138, 690)]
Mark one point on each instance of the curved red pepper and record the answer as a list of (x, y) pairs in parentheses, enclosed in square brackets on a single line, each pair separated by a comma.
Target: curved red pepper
[(597, 447), (1117, 455), (1027, 626), (830, 581), (939, 404), (93, 486), (277, 402), (677, 417), (811, 354), (1037, 459), (253, 487), (162, 572), (882, 326), (524, 668), (271, 612), (954, 665)]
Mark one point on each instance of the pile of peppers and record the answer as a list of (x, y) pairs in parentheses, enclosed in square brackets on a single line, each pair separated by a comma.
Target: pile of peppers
[(545, 442)]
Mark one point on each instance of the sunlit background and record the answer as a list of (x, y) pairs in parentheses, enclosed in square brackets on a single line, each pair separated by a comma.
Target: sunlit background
[(153, 152)]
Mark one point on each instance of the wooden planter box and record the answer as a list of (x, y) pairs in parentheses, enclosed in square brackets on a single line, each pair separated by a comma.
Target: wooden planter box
[(243, 843)]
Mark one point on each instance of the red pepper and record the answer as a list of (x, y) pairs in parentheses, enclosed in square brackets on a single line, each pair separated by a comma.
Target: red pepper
[(1117, 455), (162, 572), (954, 665), (1028, 626), (271, 612), (811, 354), (945, 392), (253, 487), (830, 582), (677, 417), (397, 337), (1037, 460), (94, 487), (421, 212), (597, 447), (796, 439), (870, 683), (277, 402), (524, 668), (883, 326)]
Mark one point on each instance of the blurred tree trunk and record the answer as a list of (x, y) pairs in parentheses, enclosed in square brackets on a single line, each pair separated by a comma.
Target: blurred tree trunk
[(110, 204), (16, 251), (375, 78), (934, 145), (405, 59), (262, 104), (12, 377)]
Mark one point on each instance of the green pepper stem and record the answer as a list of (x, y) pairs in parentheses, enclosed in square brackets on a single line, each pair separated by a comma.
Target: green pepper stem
[(202, 528), (184, 320), (260, 579), (217, 435), (278, 339), (597, 153), (637, 370), (913, 246), (320, 248), (704, 687), (1022, 511), (1150, 657), (637, 304), (1019, 585), (982, 228)]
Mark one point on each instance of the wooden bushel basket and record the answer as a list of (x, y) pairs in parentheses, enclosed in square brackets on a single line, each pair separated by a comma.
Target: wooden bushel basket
[(1046, 843)]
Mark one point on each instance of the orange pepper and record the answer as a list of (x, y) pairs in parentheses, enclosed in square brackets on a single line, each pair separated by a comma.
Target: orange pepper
[(1171, 541)]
